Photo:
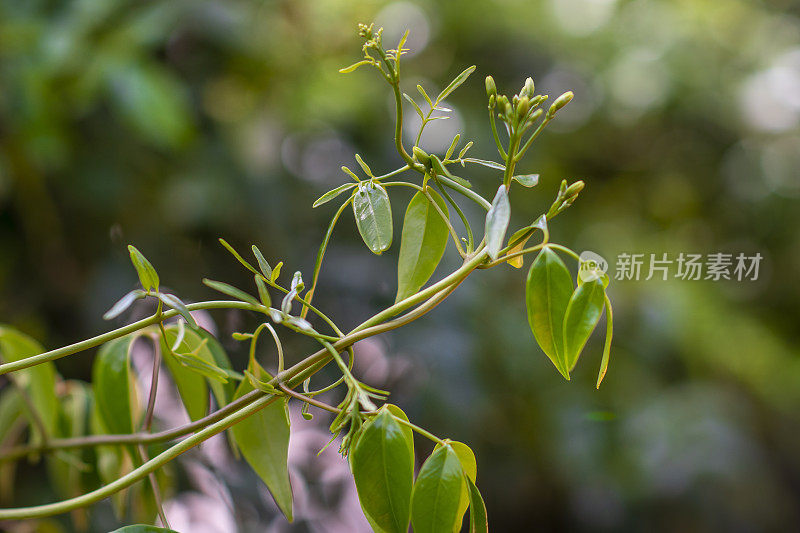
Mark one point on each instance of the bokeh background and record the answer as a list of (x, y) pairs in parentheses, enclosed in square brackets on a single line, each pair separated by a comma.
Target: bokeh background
[(169, 124)]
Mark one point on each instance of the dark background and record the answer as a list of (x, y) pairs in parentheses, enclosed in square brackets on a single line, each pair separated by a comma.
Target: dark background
[(169, 124)]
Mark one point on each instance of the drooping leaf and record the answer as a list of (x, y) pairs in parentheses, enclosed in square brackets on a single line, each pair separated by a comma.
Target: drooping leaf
[(470, 467), (607, 345), (478, 522), (147, 274), (583, 312), (436, 496), (175, 303), (456, 83), (263, 439), (113, 386), (527, 180), (485, 163), (383, 468), (38, 381), (373, 214), (497, 219), (333, 193), (422, 243), (547, 293)]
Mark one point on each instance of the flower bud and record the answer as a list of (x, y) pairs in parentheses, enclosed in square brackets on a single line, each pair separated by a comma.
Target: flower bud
[(560, 102), (491, 88), (523, 106), (528, 89), (574, 189), (492, 101), (421, 156)]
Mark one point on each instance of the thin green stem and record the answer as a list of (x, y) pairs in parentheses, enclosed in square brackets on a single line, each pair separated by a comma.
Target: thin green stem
[(419, 430), (470, 238), (566, 251), (447, 222), (472, 195), (535, 134)]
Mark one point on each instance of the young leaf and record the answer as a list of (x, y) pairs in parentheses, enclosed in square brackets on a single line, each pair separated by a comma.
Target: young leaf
[(263, 293), (147, 274), (422, 243), (441, 170), (485, 163), (113, 385), (263, 439), (436, 496), (38, 381), (464, 150), (175, 303), (373, 214), (201, 366), (547, 293), (461, 78), (364, 166), (238, 257), (383, 468), (427, 98), (223, 392), (333, 193), (607, 346), (527, 180), (351, 68), (452, 147), (124, 303), (478, 522), (262, 263), (416, 106), (583, 312), (230, 290), (497, 219)]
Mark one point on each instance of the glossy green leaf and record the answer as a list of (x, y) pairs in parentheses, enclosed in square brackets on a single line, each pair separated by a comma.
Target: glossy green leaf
[(497, 219), (113, 385), (38, 381), (175, 303), (124, 303), (583, 312), (422, 243), (231, 291), (456, 83), (547, 293), (333, 193), (383, 468), (263, 439), (478, 522), (373, 214), (607, 346), (147, 274), (262, 263), (143, 528), (436, 496), (470, 467), (452, 146), (527, 180)]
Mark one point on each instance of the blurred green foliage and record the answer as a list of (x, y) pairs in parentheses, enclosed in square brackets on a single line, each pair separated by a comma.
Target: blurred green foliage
[(167, 124)]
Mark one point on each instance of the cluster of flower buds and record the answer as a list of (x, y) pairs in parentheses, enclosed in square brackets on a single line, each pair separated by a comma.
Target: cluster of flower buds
[(566, 196), (521, 110)]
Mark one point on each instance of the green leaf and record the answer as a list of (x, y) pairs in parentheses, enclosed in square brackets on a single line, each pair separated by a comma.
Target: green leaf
[(478, 522), (607, 346), (263, 293), (452, 147), (421, 91), (441, 170), (383, 468), (485, 163), (463, 151), (583, 312), (351, 68), (416, 106), (422, 243), (436, 496), (124, 303), (141, 528), (527, 180), (333, 193), (230, 290), (547, 294), (373, 214), (38, 381), (470, 467), (189, 380), (497, 219), (113, 385), (175, 303), (223, 392), (364, 166), (147, 274), (65, 467), (461, 78), (238, 257), (262, 263), (263, 439)]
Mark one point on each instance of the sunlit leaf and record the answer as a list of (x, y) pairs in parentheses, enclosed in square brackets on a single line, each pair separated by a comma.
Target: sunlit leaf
[(333, 193), (497, 219), (437, 491), (263, 439), (113, 385), (583, 312), (354, 66), (232, 291), (527, 180), (262, 263), (147, 274), (456, 83), (373, 214), (383, 468), (478, 522), (470, 467), (124, 303), (547, 293), (607, 345), (416, 106), (422, 243)]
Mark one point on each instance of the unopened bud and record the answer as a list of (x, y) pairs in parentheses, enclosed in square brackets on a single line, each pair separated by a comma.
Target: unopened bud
[(421, 156), (528, 89), (562, 189), (560, 102), (492, 102), (491, 88), (523, 106), (574, 189)]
